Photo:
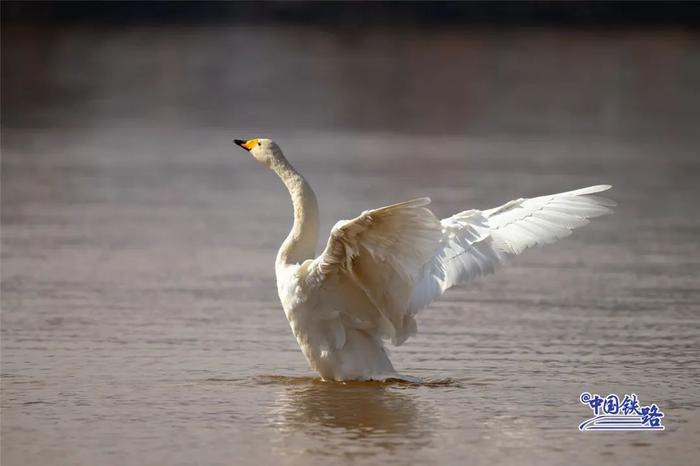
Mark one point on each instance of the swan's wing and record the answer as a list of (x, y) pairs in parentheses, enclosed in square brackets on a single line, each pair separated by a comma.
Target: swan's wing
[(380, 268), (378, 254), (475, 242)]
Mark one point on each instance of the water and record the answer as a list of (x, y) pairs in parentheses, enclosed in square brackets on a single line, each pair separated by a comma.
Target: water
[(140, 323)]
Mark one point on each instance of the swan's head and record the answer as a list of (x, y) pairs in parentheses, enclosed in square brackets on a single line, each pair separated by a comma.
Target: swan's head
[(265, 151)]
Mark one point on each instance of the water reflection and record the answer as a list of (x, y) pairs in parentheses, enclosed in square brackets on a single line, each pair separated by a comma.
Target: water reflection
[(386, 416)]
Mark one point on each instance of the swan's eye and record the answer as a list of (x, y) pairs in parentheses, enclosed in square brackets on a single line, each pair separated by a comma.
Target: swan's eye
[(260, 144)]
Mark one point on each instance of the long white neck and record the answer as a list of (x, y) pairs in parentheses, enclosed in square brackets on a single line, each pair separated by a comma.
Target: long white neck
[(301, 241)]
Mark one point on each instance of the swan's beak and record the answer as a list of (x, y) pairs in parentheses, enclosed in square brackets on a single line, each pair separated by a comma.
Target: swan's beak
[(247, 145)]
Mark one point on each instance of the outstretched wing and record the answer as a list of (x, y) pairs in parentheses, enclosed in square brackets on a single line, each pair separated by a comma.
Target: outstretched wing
[(475, 242), (401, 257)]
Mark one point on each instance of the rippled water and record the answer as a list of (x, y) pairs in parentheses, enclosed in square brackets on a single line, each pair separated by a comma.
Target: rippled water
[(140, 322)]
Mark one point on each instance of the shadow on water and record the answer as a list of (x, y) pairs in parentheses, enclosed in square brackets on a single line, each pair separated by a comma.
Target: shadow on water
[(378, 413), (286, 380), (384, 414)]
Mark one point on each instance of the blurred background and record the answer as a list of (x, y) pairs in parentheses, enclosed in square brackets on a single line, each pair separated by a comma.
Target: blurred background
[(140, 322)]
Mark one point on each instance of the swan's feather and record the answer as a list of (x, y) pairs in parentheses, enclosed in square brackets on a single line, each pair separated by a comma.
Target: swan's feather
[(400, 258), (380, 253), (475, 242)]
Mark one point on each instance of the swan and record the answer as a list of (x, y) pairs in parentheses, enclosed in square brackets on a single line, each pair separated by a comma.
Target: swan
[(380, 268)]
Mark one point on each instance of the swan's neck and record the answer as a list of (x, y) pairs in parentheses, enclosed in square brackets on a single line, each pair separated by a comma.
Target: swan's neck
[(301, 241)]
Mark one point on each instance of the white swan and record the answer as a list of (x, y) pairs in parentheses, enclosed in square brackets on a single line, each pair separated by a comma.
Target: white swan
[(380, 268)]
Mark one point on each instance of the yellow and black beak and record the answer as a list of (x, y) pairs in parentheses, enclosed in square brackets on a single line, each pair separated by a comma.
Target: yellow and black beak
[(247, 145)]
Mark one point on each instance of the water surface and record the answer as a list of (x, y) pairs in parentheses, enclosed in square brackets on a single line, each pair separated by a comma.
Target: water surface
[(140, 322)]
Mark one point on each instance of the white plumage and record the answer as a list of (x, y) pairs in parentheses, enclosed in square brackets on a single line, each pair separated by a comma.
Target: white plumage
[(380, 268)]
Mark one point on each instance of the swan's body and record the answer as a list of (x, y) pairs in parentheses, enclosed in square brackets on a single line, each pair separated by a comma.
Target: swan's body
[(380, 268)]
